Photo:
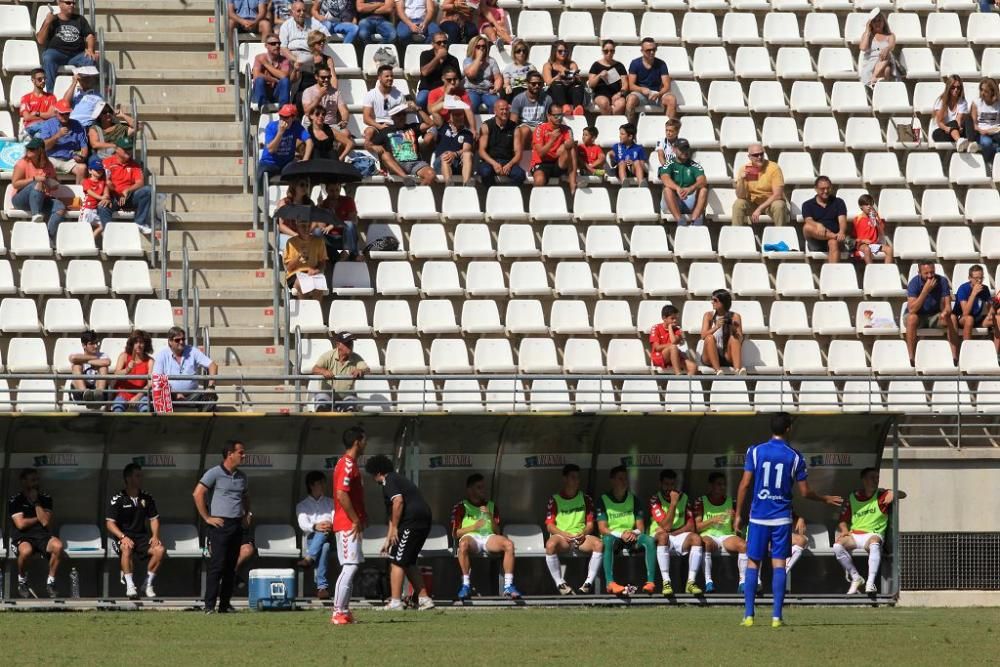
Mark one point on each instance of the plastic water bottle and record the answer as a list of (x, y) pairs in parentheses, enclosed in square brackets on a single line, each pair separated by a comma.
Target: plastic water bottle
[(74, 583)]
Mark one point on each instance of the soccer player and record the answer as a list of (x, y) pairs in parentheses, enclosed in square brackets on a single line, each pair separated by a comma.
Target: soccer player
[(771, 468), (569, 518), (409, 518), (863, 521), (673, 529), (475, 525), (128, 513), (621, 522), (713, 516), (349, 520)]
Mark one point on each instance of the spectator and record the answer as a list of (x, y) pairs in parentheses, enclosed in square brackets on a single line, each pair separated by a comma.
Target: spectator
[(515, 73), (988, 5), (294, 34), (667, 347), (66, 39), (93, 364), (609, 81), (296, 193), (665, 146), (494, 24), (450, 96), (133, 393), (415, 24), (249, 16), (304, 71), (951, 115), (875, 59), (32, 532), (433, 62), (271, 75), (282, 138), (529, 108), (500, 148), (399, 145), (870, 240), (685, 188), (973, 303), (377, 103), (722, 335), (760, 189), (84, 95), (109, 127), (628, 157), (35, 187), (65, 142), (281, 12), (338, 16), (315, 516), (591, 156), (342, 237), (928, 306), (375, 21), (562, 76), (326, 142), (95, 194), (128, 188), (458, 20), (128, 512), (824, 221), (482, 75), (553, 152), (179, 359), (454, 146), (36, 106), (339, 367), (305, 255), (985, 115), (324, 95), (649, 83)]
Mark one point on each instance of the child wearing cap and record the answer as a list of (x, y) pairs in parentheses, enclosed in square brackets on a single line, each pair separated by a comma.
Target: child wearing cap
[(96, 193)]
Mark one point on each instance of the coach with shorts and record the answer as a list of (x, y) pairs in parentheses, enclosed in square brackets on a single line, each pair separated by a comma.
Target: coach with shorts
[(409, 518), (229, 515), (129, 511)]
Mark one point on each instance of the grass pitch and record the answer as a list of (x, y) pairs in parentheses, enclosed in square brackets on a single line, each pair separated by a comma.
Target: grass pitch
[(510, 637)]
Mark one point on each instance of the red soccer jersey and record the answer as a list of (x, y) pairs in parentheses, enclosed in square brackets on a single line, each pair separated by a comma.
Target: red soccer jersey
[(590, 154), (30, 103), (122, 174), (543, 134), (98, 185), (347, 478), (660, 336), (866, 230)]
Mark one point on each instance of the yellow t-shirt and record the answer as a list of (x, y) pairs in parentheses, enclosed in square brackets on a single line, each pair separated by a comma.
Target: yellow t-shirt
[(760, 188), (312, 248)]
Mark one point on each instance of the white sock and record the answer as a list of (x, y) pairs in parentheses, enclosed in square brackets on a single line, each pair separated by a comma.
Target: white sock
[(50, 579), (552, 562), (466, 580), (844, 558), (395, 601), (345, 583), (663, 560), (694, 562), (508, 579), (708, 566), (741, 565), (796, 554), (874, 560), (22, 579), (149, 578), (594, 566), (129, 580)]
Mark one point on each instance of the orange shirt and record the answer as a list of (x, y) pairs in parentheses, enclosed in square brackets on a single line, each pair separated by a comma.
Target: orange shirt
[(122, 174), (544, 134)]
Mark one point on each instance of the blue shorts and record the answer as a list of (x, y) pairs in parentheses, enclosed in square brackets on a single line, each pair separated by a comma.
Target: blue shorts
[(759, 538)]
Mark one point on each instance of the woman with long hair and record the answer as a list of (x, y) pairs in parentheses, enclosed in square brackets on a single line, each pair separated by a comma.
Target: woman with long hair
[(722, 334), (482, 75), (327, 142), (35, 186), (133, 393), (875, 60), (985, 114), (608, 80), (951, 115), (297, 193), (562, 76), (306, 70), (515, 74)]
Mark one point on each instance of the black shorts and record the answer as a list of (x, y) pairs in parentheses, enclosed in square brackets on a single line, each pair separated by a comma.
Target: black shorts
[(141, 549), (550, 169), (246, 535), (411, 541), (39, 545)]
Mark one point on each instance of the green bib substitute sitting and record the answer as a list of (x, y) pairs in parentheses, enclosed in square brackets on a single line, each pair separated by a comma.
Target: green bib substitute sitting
[(713, 517), (475, 525), (569, 518), (673, 531), (621, 522)]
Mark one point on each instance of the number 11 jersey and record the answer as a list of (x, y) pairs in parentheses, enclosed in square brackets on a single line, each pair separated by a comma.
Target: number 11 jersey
[(776, 467)]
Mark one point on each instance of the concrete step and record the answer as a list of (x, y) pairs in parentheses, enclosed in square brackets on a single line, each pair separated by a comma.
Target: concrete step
[(238, 241), (191, 131), (182, 94), (221, 205), (155, 6), (215, 259), (179, 147), (140, 59), (255, 284), (236, 316), (181, 111), (222, 184), (153, 21), (200, 220), (171, 76), (166, 40), (189, 165)]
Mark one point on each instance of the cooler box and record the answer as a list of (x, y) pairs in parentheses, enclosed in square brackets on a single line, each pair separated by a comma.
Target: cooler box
[(271, 589)]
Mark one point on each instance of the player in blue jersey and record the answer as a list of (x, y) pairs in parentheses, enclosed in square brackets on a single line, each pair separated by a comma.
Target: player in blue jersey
[(772, 468)]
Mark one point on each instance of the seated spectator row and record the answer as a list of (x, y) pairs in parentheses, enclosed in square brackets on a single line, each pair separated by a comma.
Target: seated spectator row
[(64, 315), (31, 239), (30, 355)]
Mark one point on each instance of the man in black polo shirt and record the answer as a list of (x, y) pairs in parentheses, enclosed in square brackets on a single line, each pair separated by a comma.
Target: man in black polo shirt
[(825, 221), (228, 515), (32, 531), (500, 146), (128, 513), (409, 518)]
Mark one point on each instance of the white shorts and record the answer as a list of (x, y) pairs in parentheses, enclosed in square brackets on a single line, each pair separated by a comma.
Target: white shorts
[(348, 548), (718, 539), (677, 544), (478, 540), (862, 539)]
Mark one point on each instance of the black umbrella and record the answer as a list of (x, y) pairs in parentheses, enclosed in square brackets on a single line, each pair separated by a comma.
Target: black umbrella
[(305, 213), (319, 171)]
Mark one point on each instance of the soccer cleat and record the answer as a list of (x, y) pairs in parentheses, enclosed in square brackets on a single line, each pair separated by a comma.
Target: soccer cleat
[(617, 589), (565, 589), (150, 591), (739, 589), (649, 588), (340, 618), (777, 623), (51, 590), (667, 589), (426, 604), (855, 585), (392, 606), (23, 590), (709, 586), (747, 622), (131, 592), (692, 589), (510, 591), (587, 588), (870, 586), (465, 592)]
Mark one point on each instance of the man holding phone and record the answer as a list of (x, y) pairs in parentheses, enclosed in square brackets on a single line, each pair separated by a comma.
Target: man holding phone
[(760, 190), (928, 306)]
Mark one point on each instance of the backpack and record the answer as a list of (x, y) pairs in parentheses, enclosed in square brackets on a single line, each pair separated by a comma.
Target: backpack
[(364, 163), (383, 244)]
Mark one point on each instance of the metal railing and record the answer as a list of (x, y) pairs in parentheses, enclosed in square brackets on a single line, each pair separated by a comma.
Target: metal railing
[(220, 16), (249, 169)]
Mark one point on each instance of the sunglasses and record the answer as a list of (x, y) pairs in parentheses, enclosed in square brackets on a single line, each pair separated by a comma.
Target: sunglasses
[(181, 339), (756, 154), (323, 78), (563, 51), (520, 50), (608, 50), (534, 83), (274, 43)]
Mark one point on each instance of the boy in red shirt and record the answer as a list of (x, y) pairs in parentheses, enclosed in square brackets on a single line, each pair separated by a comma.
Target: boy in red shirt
[(95, 194), (591, 154), (349, 520), (666, 342), (869, 233), (553, 151)]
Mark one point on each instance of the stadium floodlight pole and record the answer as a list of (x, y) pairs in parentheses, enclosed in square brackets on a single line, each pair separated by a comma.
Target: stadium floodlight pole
[(896, 550)]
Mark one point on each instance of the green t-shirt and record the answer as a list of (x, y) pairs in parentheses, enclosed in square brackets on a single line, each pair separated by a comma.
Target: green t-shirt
[(684, 174)]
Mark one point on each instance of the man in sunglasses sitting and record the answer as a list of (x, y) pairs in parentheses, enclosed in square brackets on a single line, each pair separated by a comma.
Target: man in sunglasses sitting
[(180, 359), (760, 190), (553, 152)]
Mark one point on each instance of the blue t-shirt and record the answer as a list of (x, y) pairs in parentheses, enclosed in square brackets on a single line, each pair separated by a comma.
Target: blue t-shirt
[(776, 466), (932, 303), (69, 143), (648, 78), (621, 152), (452, 139), (245, 9), (829, 215), (963, 293), (286, 147)]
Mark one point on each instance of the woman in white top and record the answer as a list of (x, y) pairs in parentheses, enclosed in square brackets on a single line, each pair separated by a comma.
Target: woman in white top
[(985, 114), (515, 74), (951, 115), (415, 23), (875, 59)]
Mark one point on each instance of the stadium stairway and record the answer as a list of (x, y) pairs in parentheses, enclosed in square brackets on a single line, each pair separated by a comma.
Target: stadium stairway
[(164, 57)]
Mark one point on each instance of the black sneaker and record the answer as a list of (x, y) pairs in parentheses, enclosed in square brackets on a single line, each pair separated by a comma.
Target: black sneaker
[(51, 590), (23, 590), (209, 611), (228, 609)]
